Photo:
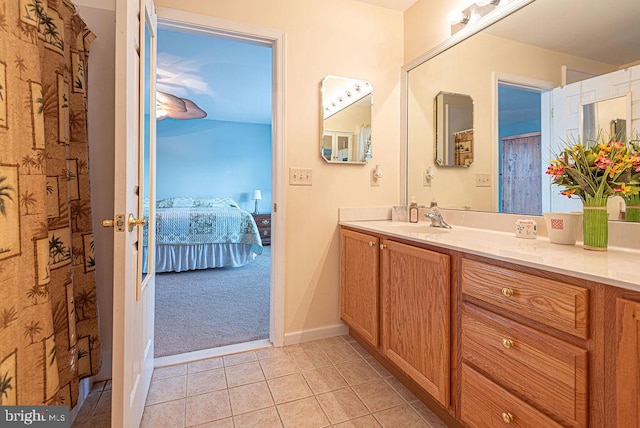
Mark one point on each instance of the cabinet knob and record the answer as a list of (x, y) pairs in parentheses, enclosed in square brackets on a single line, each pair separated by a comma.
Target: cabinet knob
[(371, 243), (507, 343), (507, 292), (382, 246), (506, 417)]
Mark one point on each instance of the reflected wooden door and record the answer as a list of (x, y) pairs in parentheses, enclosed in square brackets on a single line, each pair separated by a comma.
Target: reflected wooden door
[(521, 174)]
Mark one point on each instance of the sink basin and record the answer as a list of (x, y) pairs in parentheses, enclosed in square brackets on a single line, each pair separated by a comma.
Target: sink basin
[(416, 228)]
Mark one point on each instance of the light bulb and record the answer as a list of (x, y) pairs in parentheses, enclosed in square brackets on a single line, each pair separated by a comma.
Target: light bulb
[(456, 16), (483, 3)]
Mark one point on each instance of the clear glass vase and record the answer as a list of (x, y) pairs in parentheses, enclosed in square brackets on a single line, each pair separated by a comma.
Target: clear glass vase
[(595, 224)]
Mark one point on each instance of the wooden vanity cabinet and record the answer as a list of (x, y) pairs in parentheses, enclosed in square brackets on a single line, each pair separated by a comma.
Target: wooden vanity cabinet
[(627, 373), (486, 343), (414, 295), (359, 279), (543, 370), (397, 297)]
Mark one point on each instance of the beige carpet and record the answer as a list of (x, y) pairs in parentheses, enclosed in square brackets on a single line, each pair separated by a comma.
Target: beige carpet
[(208, 308)]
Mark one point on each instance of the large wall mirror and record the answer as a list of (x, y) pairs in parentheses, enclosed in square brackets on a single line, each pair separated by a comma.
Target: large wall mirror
[(346, 120), (537, 78)]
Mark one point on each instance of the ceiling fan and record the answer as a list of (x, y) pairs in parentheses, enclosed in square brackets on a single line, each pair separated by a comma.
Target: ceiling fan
[(168, 105)]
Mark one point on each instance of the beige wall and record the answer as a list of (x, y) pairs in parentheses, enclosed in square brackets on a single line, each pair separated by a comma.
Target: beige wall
[(426, 25), (337, 37)]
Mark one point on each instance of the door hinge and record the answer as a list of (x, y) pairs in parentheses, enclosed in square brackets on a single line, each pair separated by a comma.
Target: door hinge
[(275, 208)]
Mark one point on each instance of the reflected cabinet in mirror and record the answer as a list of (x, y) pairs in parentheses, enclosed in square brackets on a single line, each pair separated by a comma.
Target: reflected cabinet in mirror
[(454, 129), (346, 120), (538, 81)]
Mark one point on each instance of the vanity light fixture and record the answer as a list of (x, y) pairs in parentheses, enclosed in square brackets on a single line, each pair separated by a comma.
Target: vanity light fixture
[(345, 97), (483, 3), (459, 18)]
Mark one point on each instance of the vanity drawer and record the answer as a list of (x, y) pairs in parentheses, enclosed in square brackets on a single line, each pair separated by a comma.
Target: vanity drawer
[(486, 404), (550, 373), (554, 303)]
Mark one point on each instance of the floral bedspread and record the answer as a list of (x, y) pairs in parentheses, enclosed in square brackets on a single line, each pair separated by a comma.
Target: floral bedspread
[(204, 225)]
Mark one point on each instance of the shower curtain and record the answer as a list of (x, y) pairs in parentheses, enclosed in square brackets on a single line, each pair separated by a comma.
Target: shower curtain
[(48, 314), (364, 143)]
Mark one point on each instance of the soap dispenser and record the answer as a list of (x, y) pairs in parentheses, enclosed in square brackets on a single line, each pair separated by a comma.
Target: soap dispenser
[(413, 210)]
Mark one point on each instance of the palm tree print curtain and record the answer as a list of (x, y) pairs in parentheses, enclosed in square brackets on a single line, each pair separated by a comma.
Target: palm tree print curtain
[(48, 314)]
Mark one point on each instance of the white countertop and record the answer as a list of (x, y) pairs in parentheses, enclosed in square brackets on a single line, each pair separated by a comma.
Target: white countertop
[(618, 266)]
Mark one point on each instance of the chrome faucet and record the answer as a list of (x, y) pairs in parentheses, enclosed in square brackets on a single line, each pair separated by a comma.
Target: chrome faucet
[(435, 216)]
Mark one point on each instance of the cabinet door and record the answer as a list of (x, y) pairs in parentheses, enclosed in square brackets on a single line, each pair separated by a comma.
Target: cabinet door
[(359, 283), (415, 314), (628, 363)]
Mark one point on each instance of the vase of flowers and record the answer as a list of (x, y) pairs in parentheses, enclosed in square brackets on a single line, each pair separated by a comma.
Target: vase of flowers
[(631, 190), (593, 171)]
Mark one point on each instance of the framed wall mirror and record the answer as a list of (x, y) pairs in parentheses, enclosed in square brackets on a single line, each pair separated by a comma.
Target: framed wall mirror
[(454, 129), (532, 72), (346, 120)]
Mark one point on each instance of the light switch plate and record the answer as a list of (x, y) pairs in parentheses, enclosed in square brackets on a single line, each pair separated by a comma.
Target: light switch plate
[(300, 176), (483, 180)]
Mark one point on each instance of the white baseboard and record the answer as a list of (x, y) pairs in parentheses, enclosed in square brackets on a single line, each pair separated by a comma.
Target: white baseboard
[(315, 334), (289, 339)]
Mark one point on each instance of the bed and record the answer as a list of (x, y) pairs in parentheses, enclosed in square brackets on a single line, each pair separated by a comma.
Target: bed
[(202, 233)]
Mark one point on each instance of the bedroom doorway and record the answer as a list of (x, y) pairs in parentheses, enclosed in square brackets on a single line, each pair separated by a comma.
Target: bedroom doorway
[(216, 290)]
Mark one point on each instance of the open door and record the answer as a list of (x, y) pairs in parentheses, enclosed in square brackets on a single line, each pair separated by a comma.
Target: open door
[(134, 203)]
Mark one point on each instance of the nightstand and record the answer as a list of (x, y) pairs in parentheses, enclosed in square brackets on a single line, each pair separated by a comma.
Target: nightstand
[(264, 227)]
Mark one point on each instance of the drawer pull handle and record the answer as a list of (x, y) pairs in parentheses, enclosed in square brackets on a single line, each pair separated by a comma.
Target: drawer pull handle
[(371, 243), (382, 246), (507, 292), (506, 417), (265, 221), (507, 343)]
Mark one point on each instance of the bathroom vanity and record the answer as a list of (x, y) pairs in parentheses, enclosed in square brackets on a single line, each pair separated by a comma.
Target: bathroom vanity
[(491, 330)]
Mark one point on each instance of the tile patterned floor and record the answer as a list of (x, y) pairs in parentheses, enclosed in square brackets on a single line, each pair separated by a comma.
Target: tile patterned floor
[(330, 382)]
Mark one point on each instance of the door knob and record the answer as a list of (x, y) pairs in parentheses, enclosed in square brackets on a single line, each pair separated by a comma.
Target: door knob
[(133, 222)]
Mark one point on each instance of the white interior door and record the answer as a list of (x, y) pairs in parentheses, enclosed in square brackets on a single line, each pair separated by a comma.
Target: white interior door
[(133, 295)]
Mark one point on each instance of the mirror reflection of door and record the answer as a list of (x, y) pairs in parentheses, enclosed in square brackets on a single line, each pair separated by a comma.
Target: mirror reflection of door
[(519, 121)]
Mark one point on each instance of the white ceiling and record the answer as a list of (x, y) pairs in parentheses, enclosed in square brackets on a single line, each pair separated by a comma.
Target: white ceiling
[(401, 5), (605, 31)]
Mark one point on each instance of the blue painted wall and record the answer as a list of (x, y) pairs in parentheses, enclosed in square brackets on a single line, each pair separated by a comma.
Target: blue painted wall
[(206, 158), (519, 111)]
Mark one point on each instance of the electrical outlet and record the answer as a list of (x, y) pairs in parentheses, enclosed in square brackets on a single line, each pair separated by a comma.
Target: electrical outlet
[(300, 176), (483, 180), (374, 180), (426, 181)]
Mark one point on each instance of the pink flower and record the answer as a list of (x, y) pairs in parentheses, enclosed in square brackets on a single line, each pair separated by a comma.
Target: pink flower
[(602, 161)]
